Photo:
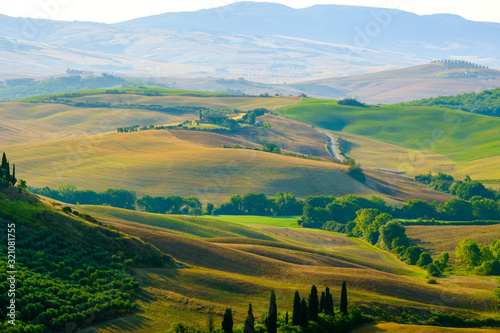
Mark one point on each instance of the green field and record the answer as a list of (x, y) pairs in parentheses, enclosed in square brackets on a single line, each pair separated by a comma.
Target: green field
[(285, 222), (460, 136)]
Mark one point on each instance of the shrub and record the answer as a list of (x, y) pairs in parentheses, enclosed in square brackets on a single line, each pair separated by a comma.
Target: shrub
[(67, 210), (433, 270), (424, 260)]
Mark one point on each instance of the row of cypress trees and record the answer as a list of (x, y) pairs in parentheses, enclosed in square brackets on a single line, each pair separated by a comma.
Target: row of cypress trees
[(6, 178), (303, 311)]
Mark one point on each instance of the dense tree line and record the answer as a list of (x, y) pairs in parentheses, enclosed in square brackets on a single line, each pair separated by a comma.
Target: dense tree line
[(316, 211), (282, 204), (479, 258), (68, 193), (486, 102), (172, 204), (465, 189), (474, 202), (335, 214), (319, 210)]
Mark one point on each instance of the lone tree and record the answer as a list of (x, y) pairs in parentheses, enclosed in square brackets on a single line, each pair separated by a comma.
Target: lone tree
[(296, 309), (313, 304), (22, 185), (250, 321), (343, 299), (273, 315), (227, 321)]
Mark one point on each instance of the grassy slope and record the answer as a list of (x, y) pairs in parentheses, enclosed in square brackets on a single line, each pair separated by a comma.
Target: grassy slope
[(197, 227), (230, 270), (371, 153), (25, 122), (157, 163), (460, 136), (406, 84), (35, 213)]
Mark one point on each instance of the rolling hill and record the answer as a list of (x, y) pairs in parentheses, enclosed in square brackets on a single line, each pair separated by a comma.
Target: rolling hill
[(158, 163), (235, 269), (405, 84), (65, 138), (52, 117), (469, 140), (220, 262)]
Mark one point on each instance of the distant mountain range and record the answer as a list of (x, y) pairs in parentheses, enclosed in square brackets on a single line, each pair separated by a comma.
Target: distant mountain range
[(263, 42)]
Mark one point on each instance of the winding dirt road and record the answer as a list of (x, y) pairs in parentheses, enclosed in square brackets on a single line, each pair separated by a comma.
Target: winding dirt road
[(334, 148)]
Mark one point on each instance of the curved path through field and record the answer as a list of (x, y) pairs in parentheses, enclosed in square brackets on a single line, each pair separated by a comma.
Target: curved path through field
[(333, 147)]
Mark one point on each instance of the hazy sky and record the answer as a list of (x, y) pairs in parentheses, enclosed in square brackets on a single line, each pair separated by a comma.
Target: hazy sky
[(111, 11)]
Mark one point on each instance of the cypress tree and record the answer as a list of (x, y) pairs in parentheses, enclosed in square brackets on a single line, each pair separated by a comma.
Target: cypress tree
[(328, 302), (4, 172), (343, 299), (13, 179), (227, 321), (7, 174), (250, 321), (322, 302), (296, 310), (304, 317), (330, 305), (273, 315), (313, 304), (4, 161)]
